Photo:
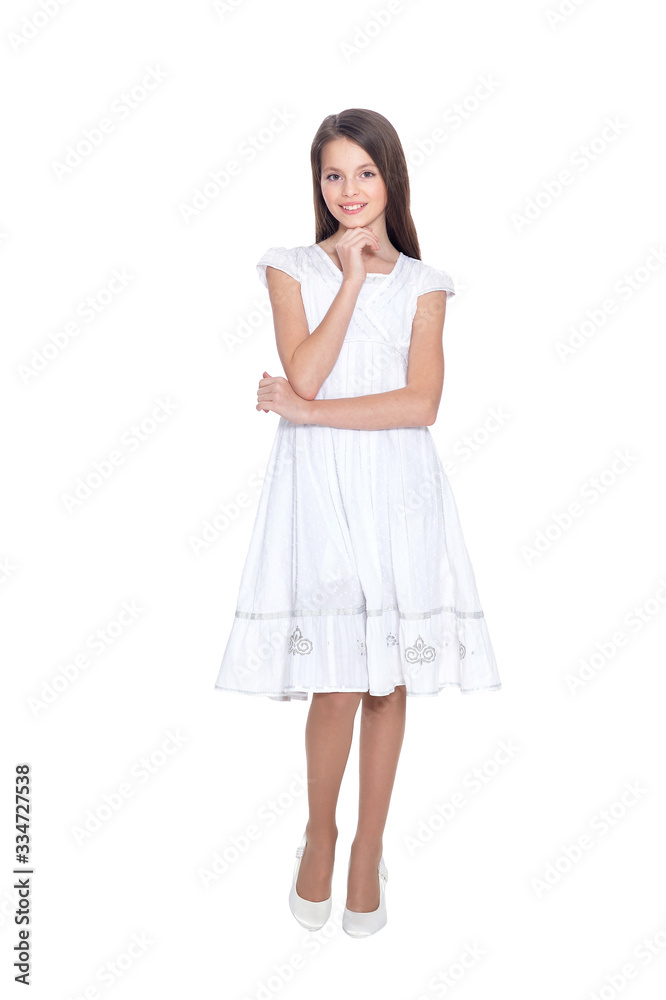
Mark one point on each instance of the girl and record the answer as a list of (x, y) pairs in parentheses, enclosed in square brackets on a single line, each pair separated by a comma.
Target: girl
[(357, 585)]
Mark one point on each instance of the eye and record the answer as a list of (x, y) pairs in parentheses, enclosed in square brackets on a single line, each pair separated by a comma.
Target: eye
[(329, 176)]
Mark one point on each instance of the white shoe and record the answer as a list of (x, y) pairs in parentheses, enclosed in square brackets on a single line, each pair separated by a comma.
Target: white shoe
[(310, 913), (361, 924)]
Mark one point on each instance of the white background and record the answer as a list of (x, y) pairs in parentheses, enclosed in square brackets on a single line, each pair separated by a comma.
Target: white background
[(175, 333)]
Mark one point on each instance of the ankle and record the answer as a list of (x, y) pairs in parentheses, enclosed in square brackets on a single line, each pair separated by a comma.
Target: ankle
[(321, 837), (367, 847)]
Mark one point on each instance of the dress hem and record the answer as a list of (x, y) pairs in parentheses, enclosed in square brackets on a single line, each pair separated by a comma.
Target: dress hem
[(306, 691)]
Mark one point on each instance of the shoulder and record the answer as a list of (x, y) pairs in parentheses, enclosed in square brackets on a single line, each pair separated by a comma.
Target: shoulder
[(291, 260), (426, 278)]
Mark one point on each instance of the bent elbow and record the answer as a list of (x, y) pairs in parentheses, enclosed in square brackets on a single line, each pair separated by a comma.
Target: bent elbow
[(423, 407), (304, 390), (309, 392), (431, 414)]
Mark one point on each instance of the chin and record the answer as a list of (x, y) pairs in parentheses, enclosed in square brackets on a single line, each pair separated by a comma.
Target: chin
[(351, 220)]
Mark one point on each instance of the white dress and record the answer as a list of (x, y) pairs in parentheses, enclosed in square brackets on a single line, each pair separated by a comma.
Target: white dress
[(357, 576)]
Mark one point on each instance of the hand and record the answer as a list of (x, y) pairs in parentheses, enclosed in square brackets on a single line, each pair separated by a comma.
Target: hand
[(276, 394), (349, 249)]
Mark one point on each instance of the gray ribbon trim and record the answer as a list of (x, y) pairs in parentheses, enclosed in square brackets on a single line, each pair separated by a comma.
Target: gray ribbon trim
[(303, 613)]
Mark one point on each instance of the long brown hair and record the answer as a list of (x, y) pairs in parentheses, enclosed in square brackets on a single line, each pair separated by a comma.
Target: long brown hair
[(379, 139)]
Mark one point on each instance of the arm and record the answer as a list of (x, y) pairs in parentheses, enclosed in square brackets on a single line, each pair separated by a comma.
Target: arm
[(414, 405), (308, 358)]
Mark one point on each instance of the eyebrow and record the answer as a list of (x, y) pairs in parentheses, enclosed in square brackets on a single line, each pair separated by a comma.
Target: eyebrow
[(358, 168)]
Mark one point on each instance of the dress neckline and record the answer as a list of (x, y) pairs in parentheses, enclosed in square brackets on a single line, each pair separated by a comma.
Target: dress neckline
[(370, 274)]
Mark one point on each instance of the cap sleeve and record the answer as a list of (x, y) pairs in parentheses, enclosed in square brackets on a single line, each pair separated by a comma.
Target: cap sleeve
[(433, 279), (282, 258)]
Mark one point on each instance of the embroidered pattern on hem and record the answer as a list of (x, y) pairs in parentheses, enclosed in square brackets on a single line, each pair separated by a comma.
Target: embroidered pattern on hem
[(298, 643)]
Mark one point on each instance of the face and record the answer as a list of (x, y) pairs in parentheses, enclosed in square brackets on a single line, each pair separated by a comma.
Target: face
[(350, 178)]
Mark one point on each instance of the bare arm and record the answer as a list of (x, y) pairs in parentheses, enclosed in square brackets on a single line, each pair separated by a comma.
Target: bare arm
[(414, 405), (308, 358), (378, 411)]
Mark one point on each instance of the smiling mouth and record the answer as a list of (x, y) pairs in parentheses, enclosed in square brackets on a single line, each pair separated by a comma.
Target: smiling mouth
[(353, 209)]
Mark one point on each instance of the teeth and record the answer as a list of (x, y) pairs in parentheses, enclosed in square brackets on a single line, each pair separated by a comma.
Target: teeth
[(356, 208)]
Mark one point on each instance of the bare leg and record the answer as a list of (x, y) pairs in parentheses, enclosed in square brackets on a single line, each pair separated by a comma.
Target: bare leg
[(382, 732), (328, 736)]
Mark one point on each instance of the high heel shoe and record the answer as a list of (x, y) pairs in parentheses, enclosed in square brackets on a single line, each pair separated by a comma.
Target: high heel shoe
[(361, 924), (311, 914)]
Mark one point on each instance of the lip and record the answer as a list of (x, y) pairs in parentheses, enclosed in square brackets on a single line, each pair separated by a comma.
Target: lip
[(354, 206)]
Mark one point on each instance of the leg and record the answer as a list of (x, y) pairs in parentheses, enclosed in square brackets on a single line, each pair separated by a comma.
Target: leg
[(328, 735), (382, 732)]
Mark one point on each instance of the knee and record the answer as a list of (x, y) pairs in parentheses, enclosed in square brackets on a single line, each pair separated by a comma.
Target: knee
[(383, 702)]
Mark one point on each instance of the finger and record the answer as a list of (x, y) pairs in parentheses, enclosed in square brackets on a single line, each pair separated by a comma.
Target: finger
[(362, 238)]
